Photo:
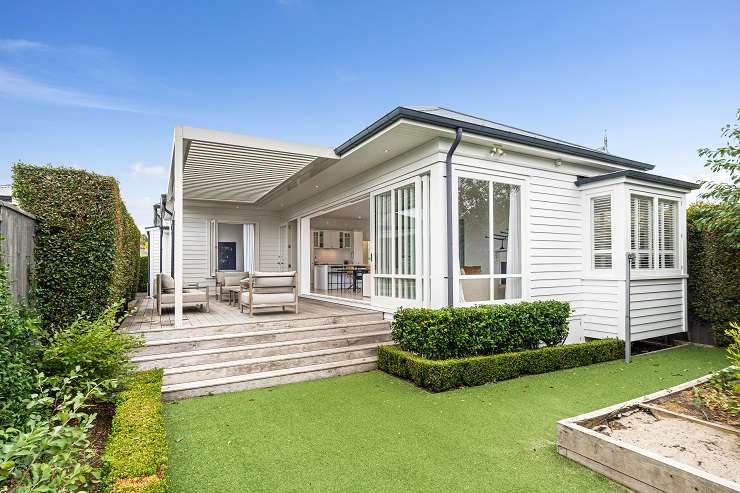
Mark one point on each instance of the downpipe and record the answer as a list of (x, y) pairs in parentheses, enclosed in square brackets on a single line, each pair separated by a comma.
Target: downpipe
[(450, 224)]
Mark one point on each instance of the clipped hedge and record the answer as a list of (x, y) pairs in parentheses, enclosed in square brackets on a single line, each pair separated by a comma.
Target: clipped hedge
[(714, 270), (143, 274), (440, 375), (135, 458), (481, 330), (87, 245)]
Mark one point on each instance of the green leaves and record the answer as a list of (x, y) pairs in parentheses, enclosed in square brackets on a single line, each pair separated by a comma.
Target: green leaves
[(136, 453), (725, 218), (87, 245), (481, 330), (441, 375)]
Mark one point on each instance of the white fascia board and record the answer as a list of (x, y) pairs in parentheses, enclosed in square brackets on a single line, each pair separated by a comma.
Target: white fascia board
[(243, 140)]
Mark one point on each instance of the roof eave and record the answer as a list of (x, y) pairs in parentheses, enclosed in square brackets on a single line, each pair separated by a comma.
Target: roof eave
[(638, 175), (452, 123)]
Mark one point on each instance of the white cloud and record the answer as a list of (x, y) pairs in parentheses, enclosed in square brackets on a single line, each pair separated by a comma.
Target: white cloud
[(141, 169), (16, 86), (20, 44)]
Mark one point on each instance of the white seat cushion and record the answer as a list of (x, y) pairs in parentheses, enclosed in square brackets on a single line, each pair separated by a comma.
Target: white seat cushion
[(187, 297), (270, 298)]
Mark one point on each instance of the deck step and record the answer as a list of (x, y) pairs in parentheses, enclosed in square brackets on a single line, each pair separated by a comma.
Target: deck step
[(210, 371), (167, 346), (267, 378), (162, 333), (234, 353)]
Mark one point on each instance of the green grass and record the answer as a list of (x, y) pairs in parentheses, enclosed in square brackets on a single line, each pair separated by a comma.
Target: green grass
[(373, 432)]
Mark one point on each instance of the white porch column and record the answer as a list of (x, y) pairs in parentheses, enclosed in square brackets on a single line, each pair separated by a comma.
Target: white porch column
[(178, 163), (437, 237), (304, 255)]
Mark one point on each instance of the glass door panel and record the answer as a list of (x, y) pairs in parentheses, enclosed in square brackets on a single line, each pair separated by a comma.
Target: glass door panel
[(396, 245)]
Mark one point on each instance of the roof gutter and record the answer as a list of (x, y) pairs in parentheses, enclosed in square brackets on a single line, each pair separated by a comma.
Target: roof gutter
[(451, 123), (450, 253)]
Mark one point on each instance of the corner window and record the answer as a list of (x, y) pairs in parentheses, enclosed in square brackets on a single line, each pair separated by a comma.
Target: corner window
[(601, 232), (490, 243), (653, 233)]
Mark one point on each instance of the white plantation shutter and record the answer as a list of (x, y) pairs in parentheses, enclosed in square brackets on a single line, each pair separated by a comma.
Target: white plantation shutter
[(641, 231), (601, 232), (667, 232)]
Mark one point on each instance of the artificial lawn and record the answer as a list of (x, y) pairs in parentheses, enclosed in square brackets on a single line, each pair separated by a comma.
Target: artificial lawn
[(374, 432)]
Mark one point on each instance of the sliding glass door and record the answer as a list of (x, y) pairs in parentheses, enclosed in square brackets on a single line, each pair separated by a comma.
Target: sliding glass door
[(396, 238)]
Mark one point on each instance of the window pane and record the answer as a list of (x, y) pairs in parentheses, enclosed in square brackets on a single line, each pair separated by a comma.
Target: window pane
[(509, 288), (601, 234), (406, 289), (667, 232), (506, 229), (641, 231), (475, 289), (473, 214), (383, 286), (383, 233), (405, 211)]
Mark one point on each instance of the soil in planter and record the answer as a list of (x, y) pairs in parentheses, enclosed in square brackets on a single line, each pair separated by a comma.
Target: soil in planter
[(710, 449), (686, 403), (101, 430)]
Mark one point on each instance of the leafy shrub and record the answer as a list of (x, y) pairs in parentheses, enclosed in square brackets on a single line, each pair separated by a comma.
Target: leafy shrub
[(51, 452), (440, 375), (87, 245), (95, 348), (481, 330), (18, 353), (135, 458), (143, 274), (713, 290)]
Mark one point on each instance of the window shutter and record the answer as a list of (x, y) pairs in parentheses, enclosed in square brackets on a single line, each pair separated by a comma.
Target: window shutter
[(667, 243), (601, 227), (641, 231)]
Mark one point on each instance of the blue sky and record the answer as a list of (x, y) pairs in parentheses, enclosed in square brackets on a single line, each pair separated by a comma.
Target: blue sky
[(101, 85)]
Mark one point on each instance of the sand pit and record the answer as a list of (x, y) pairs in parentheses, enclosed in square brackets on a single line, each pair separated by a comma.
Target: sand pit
[(713, 450)]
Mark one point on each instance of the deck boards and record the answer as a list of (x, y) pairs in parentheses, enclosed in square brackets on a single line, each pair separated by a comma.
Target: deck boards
[(146, 317)]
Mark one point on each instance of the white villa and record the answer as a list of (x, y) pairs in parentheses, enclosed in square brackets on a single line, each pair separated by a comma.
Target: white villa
[(428, 207)]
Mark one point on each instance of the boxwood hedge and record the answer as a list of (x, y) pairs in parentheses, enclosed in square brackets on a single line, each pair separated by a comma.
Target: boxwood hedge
[(87, 245), (440, 375), (135, 458), (481, 330)]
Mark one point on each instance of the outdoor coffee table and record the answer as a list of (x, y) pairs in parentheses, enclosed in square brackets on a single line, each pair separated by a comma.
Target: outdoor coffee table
[(234, 295)]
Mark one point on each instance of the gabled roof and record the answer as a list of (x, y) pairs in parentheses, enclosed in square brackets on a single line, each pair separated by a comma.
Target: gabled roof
[(442, 117), (637, 175)]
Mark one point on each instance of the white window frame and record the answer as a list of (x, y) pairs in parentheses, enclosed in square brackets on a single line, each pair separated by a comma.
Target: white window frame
[(393, 300), (523, 228), (591, 250), (679, 252)]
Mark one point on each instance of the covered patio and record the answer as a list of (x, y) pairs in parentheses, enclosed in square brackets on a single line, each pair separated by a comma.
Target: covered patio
[(222, 313)]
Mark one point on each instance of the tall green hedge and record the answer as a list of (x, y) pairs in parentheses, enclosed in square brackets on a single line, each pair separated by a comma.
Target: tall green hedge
[(714, 274), (480, 330), (143, 274), (87, 244)]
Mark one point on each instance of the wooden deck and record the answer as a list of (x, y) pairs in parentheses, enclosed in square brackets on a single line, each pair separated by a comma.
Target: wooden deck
[(221, 313)]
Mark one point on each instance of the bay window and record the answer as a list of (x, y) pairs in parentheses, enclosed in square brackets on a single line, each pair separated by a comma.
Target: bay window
[(489, 240), (653, 232)]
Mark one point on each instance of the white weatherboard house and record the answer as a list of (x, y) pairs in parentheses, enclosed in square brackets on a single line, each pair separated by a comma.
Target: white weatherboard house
[(428, 207)]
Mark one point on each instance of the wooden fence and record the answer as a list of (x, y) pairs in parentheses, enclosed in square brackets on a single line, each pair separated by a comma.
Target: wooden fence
[(18, 232)]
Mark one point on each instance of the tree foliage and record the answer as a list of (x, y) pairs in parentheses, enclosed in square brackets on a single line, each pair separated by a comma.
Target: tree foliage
[(726, 194)]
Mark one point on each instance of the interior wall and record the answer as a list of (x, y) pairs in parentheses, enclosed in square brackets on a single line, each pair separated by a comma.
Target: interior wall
[(233, 233)]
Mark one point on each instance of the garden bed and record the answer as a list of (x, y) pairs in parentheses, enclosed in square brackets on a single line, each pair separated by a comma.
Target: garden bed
[(659, 442)]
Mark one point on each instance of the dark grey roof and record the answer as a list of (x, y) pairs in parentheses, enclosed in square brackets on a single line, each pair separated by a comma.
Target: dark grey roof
[(443, 117), (628, 173)]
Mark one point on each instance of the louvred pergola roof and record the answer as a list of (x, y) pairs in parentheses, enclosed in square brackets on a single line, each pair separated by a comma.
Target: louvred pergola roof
[(240, 168)]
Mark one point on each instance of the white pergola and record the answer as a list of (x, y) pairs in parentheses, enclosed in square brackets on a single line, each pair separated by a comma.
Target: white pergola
[(227, 167)]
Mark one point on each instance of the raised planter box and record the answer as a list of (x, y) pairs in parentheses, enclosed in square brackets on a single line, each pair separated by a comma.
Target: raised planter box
[(590, 440)]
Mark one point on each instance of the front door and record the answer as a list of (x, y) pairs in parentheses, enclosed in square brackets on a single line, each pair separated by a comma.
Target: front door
[(395, 231)]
